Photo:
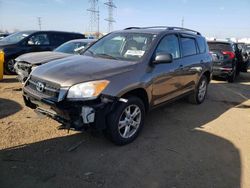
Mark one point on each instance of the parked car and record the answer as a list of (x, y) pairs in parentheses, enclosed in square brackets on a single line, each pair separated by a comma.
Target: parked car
[(243, 56), (248, 49), (3, 35), (224, 59), (121, 77), (27, 62), (31, 41)]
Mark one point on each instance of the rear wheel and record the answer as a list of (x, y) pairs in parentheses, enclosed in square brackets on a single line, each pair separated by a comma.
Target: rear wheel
[(126, 122), (9, 67), (199, 95)]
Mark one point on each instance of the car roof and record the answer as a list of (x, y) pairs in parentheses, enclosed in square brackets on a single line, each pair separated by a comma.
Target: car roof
[(49, 31), (158, 30)]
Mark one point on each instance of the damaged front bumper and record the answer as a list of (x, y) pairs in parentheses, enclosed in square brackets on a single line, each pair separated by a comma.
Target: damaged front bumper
[(75, 114)]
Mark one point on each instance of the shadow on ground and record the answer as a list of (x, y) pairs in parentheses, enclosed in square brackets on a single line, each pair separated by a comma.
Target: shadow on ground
[(172, 151), (8, 107)]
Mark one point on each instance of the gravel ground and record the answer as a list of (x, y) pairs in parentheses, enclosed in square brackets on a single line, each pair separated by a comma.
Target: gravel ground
[(181, 145)]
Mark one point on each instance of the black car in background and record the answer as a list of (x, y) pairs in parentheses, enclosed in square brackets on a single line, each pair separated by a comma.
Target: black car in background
[(224, 59), (28, 62), (248, 49), (242, 56), (3, 35), (32, 41)]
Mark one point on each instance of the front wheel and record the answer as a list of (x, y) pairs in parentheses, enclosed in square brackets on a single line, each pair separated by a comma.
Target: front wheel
[(125, 123), (9, 67), (199, 95)]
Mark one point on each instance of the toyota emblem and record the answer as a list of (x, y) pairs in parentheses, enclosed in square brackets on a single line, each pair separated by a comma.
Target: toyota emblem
[(40, 86)]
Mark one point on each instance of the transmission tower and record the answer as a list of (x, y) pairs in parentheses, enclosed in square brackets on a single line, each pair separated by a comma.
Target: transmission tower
[(111, 6), (94, 16)]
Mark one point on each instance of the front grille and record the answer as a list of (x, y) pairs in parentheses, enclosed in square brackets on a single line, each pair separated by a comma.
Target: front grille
[(50, 90)]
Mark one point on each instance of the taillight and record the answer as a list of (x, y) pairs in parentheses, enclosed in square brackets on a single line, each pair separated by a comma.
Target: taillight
[(230, 54)]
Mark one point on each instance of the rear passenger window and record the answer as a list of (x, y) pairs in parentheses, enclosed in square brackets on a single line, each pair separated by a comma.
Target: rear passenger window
[(202, 45), (39, 40), (169, 44), (188, 46)]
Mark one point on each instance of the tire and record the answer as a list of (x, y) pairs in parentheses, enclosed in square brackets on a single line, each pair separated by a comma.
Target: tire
[(9, 67), (199, 95), (122, 117), (231, 78), (245, 68)]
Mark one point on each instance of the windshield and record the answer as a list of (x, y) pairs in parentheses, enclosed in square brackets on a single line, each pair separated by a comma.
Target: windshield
[(16, 37), (71, 47), (121, 46)]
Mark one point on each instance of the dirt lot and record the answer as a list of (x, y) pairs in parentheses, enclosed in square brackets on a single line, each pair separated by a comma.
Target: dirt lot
[(182, 145)]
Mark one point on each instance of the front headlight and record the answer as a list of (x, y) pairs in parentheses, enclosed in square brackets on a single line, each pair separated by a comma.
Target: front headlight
[(87, 90)]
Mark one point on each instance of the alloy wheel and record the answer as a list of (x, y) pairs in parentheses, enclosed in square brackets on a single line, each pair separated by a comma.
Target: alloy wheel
[(202, 90), (129, 121)]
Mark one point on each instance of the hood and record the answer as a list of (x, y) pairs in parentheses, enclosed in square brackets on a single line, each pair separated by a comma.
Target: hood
[(37, 58), (4, 44), (76, 69)]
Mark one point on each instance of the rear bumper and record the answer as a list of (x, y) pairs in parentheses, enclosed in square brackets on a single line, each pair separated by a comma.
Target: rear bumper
[(222, 71), (74, 114)]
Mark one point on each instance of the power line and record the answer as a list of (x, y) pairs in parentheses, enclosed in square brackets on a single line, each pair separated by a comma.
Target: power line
[(111, 6), (94, 16)]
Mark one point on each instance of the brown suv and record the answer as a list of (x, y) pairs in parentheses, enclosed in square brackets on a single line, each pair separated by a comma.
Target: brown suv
[(122, 76)]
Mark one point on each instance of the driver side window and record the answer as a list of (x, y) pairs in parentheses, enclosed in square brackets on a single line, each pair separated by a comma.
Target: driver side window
[(169, 44), (39, 40)]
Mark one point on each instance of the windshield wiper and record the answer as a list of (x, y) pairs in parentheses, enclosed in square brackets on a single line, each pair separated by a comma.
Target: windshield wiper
[(106, 55), (88, 51)]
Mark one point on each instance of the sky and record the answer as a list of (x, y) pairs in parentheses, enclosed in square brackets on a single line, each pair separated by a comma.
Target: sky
[(213, 18)]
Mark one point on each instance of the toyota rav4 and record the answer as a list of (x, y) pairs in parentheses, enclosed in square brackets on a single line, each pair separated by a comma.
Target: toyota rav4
[(121, 77)]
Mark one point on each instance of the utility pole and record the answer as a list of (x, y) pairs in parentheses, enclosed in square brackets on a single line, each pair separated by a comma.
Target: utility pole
[(98, 23), (110, 5), (39, 20), (94, 15), (182, 22)]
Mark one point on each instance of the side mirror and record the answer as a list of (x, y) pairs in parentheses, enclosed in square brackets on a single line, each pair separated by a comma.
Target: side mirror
[(163, 57)]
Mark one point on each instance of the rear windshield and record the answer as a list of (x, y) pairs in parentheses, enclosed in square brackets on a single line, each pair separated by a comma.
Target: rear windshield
[(220, 46)]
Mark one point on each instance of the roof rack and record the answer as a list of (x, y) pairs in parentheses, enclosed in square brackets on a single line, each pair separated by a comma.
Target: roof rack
[(165, 27)]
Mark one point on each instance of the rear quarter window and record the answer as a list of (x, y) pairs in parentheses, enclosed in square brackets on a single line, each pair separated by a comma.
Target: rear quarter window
[(201, 44)]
